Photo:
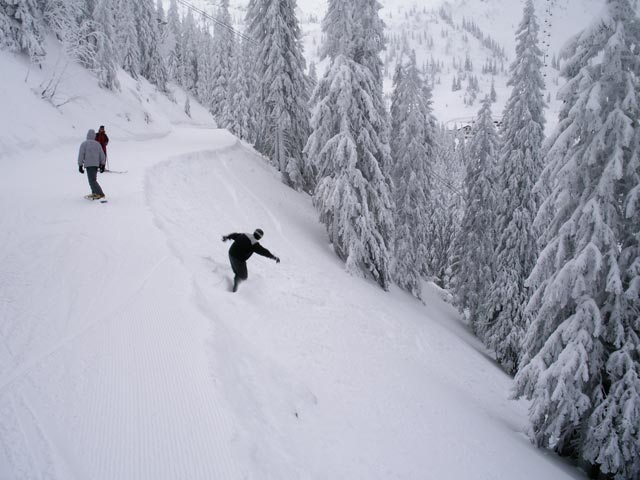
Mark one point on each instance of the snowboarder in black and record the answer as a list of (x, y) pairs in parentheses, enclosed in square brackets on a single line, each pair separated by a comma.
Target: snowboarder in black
[(244, 245)]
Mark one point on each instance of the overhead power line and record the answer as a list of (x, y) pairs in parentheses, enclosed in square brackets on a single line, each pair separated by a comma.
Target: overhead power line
[(444, 182), (215, 20)]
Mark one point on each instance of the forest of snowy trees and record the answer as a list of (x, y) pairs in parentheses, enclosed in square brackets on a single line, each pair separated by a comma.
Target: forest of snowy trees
[(538, 239)]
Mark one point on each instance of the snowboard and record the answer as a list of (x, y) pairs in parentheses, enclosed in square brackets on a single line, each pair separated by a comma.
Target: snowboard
[(89, 197)]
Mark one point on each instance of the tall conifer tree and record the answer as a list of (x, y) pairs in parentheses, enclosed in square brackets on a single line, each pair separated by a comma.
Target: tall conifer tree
[(519, 166), (152, 65), (444, 224), (348, 151), (188, 46), (205, 65), (242, 122), (105, 59), (476, 237), (368, 36), (412, 146), (284, 96), (127, 39), (222, 67), (172, 42), (21, 28), (69, 21), (581, 367)]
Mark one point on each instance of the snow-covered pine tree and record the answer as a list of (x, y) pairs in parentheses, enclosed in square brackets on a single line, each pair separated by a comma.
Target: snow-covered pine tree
[(352, 193), (368, 42), (454, 84), (313, 75), (21, 28), (187, 106), (273, 26), (368, 36), (582, 351), (222, 67), (152, 65), (60, 15), (105, 58), (397, 110), (164, 33), (72, 23), (337, 27), (472, 90), (187, 45), (447, 199), (171, 46), (174, 21), (204, 77), (242, 122), (412, 147), (519, 166), (7, 34), (127, 38), (476, 237)]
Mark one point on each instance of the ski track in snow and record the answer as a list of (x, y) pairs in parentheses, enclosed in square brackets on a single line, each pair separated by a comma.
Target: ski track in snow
[(97, 376), (274, 345), (193, 236)]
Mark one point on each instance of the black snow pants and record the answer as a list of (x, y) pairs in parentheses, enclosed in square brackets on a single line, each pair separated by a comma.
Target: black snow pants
[(92, 175), (239, 268)]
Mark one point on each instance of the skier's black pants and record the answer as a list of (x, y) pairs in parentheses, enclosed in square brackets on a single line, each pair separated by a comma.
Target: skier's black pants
[(92, 175), (239, 268)]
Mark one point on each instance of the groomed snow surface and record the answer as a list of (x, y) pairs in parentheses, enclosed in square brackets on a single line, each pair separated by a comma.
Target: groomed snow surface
[(125, 356)]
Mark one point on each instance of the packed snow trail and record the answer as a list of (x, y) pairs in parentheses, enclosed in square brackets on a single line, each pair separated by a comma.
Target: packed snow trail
[(124, 355), (103, 372)]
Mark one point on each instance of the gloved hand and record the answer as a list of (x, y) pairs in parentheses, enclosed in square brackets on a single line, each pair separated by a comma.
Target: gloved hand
[(101, 168), (80, 168), (277, 259), (225, 238)]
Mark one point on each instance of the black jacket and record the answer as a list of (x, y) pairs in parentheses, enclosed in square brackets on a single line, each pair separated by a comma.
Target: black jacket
[(244, 245)]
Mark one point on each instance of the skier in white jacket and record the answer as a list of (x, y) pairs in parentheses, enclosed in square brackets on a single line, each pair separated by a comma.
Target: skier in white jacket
[(92, 158)]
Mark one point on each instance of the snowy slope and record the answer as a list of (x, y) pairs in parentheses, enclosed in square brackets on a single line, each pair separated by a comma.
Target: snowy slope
[(100, 367), (123, 354), (57, 102)]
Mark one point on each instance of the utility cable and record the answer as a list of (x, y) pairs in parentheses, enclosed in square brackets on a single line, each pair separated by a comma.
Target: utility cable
[(216, 21)]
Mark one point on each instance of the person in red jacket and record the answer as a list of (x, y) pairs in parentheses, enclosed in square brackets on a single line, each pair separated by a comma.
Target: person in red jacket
[(244, 245), (102, 139)]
